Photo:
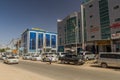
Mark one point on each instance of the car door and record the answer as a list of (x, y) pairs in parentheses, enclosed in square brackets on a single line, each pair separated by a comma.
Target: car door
[(118, 60)]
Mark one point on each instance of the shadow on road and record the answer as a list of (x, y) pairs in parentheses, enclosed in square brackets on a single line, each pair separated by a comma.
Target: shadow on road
[(111, 68)]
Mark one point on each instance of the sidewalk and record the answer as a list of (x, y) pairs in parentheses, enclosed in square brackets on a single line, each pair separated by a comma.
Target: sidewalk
[(7, 72)]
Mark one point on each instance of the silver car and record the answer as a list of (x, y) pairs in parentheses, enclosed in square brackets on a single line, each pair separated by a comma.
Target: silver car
[(87, 55)]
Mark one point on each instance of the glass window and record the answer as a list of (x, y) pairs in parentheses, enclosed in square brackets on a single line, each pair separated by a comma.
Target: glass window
[(116, 7), (90, 6), (32, 41)]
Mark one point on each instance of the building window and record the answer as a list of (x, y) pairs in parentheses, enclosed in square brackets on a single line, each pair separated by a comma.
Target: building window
[(90, 6), (91, 16), (118, 19), (91, 26), (116, 7), (93, 36), (118, 32)]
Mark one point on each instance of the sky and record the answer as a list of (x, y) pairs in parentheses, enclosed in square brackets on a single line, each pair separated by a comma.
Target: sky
[(18, 15)]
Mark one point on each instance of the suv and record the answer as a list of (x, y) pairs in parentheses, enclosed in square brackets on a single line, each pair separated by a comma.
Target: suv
[(68, 58), (87, 55), (61, 54)]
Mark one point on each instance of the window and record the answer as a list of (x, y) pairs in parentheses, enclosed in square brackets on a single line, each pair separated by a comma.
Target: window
[(116, 7), (91, 16), (93, 36), (91, 26), (118, 19), (112, 56), (90, 6)]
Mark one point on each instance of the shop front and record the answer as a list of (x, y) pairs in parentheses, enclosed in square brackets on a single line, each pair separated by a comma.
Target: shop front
[(115, 42)]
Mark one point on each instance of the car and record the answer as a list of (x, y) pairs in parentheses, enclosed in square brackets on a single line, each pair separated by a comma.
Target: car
[(36, 58), (61, 54), (68, 58), (3, 57), (109, 59), (87, 55), (45, 57), (27, 57), (11, 60)]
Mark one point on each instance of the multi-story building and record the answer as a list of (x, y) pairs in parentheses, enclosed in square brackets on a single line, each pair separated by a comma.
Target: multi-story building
[(38, 41), (102, 24), (69, 32)]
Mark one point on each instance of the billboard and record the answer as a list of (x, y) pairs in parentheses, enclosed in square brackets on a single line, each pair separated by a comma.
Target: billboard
[(32, 41), (40, 40), (53, 41), (47, 40)]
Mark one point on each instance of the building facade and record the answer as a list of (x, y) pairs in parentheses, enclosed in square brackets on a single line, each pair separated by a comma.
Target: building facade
[(69, 32), (38, 41), (102, 24), (97, 26)]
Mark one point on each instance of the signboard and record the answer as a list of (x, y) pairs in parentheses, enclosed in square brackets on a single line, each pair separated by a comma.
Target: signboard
[(115, 25), (115, 36), (94, 29)]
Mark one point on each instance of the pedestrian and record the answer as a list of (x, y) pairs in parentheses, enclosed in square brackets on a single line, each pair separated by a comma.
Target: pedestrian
[(50, 59)]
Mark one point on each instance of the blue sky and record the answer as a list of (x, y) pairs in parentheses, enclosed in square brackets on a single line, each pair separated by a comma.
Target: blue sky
[(17, 15)]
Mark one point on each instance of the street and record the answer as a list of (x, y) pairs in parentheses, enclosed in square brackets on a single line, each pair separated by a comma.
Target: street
[(68, 72)]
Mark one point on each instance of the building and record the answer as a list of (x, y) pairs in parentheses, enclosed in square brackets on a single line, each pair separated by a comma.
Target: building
[(102, 25), (37, 40), (69, 33)]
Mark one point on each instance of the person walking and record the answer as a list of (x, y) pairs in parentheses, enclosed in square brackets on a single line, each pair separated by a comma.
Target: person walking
[(50, 59)]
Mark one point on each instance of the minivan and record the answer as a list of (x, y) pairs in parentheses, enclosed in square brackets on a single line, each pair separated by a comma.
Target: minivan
[(109, 59)]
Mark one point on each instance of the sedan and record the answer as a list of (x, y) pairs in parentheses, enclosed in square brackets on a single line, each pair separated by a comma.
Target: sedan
[(11, 60), (36, 58)]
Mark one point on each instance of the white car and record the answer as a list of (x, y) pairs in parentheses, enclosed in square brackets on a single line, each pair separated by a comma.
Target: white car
[(3, 57), (27, 57), (87, 55), (36, 58), (10, 60)]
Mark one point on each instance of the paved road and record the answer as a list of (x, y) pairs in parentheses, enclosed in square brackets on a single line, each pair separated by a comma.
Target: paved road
[(69, 72)]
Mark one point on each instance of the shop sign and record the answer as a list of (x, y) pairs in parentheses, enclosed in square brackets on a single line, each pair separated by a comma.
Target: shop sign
[(115, 25), (115, 36), (103, 42), (94, 29)]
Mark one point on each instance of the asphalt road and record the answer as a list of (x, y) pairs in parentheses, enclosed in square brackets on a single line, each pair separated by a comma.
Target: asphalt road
[(69, 72)]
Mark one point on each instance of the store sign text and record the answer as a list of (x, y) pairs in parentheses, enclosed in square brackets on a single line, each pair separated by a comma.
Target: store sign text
[(115, 25)]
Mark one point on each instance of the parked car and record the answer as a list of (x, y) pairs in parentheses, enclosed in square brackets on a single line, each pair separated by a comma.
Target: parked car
[(76, 59), (61, 54), (27, 57), (3, 57), (87, 55), (106, 59), (10, 60), (45, 57), (36, 58)]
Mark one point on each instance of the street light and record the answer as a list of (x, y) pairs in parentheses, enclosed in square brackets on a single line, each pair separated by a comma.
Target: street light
[(82, 20)]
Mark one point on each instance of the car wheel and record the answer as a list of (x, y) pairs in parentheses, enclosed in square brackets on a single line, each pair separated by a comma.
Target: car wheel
[(104, 65)]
